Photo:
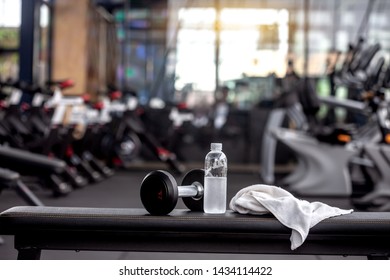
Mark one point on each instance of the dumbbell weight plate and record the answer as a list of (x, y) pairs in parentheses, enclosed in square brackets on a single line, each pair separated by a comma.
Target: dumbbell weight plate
[(159, 192), (194, 203)]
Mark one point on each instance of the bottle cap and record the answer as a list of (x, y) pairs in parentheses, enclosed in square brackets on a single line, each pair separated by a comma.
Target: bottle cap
[(216, 146)]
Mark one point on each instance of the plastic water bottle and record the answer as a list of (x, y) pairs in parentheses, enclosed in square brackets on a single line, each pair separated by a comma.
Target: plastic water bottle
[(215, 181)]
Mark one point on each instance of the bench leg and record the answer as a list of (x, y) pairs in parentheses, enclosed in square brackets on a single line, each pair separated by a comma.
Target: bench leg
[(29, 254)]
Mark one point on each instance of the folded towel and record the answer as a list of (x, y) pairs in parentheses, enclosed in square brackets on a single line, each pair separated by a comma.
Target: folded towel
[(299, 215)]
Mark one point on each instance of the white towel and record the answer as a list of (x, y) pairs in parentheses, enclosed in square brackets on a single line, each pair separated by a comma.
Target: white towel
[(299, 215)]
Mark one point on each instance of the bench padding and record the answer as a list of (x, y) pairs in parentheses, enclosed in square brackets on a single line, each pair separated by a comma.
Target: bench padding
[(107, 229)]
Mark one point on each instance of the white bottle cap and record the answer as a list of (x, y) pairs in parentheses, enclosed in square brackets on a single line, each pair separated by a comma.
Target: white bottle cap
[(216, 146)]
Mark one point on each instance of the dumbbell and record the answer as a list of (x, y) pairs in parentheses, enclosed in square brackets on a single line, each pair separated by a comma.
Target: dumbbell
[(160, 192)]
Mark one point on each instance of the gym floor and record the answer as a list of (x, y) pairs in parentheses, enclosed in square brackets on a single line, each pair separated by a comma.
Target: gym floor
[(122, 191)]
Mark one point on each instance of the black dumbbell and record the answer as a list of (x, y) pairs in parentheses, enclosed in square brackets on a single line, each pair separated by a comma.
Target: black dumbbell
[(160, 192)]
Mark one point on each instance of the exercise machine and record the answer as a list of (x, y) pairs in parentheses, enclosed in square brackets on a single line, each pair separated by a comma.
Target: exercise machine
[(325, 153), (11, 180)]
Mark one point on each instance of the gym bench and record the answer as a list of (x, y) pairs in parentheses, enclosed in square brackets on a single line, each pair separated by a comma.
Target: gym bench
[(39, 228)]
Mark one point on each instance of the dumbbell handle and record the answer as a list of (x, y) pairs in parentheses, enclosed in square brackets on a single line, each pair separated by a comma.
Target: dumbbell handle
[(194, 190)]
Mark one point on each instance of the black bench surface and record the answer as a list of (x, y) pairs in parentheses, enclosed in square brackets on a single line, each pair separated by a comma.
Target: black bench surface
[(109, 229)]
